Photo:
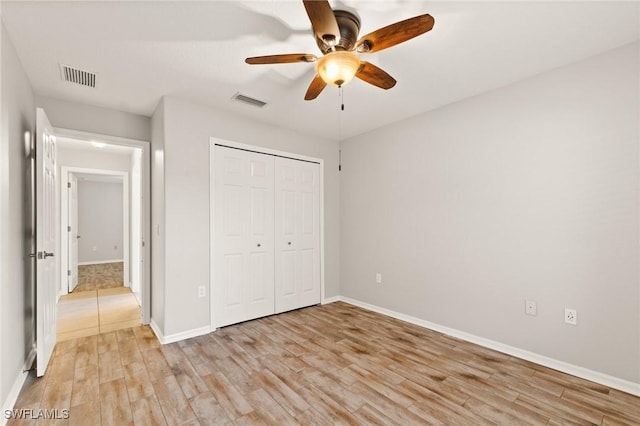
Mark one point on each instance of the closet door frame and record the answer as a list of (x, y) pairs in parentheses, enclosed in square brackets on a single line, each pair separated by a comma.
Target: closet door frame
[(212, 219)]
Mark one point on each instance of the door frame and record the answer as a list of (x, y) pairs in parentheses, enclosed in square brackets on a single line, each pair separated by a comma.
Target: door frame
[(145, 146), (213, 141), (73, 179), (65, 172)]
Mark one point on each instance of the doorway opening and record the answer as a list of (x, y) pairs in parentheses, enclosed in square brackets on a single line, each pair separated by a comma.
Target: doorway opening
[(97, 230), (103, 225)]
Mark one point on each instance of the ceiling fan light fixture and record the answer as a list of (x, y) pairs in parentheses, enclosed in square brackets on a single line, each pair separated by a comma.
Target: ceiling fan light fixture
[(336, 34), (338, 68)]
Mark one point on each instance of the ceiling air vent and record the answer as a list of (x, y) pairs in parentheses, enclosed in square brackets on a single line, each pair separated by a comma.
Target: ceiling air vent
[(249, 100), (78, 76)]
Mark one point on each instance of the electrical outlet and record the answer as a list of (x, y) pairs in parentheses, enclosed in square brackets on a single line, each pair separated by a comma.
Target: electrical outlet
[(571, 316), (530, 308), (202, 292), (379, 278)]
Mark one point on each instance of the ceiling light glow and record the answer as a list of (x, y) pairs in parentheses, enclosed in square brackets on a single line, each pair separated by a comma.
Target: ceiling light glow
[(338, 68)]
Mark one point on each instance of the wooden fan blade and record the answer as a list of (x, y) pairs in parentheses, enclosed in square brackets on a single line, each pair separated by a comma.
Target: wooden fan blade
[(316, 86), (281, 59), (323, 21), (395, 34), (374, 75)]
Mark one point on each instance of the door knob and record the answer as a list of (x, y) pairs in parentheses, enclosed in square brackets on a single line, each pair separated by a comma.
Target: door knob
[(77, 236), (289, 243), (258, 244), (47, 254)]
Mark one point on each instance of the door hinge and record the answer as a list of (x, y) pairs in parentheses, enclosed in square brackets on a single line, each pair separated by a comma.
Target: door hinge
[(68, 184), (68, 272), (68, 228)]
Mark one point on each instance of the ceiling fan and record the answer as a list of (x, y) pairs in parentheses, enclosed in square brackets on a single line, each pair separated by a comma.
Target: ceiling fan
[(336, 34)]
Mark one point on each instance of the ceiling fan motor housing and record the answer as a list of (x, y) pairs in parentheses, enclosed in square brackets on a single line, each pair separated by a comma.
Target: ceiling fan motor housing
[(349, 25)]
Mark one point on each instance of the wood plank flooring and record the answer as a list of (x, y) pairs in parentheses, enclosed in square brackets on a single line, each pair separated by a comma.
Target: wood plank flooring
[(324, 365)]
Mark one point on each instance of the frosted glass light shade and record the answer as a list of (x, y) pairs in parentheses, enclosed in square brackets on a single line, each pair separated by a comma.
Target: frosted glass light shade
[(338, 68)]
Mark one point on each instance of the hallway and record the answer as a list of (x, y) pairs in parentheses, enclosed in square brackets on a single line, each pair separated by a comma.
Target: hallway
[(87, 313)]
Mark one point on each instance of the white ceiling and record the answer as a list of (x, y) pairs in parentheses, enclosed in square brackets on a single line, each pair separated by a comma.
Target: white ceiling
[(196, 50)]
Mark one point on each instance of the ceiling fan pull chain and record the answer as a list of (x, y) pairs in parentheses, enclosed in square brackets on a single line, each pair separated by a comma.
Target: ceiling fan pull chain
[(341, 90)]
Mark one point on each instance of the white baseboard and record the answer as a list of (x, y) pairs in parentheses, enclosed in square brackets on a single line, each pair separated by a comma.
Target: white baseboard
[(100, 262), (584, 373), (12, 397), (171, 338), (328, 300)]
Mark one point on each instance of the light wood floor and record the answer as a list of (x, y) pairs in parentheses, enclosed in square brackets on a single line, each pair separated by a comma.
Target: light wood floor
[(85, 313), (324, 365)]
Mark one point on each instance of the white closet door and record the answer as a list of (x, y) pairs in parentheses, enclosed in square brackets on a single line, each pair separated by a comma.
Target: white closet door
[(244, 249), (297, 230)]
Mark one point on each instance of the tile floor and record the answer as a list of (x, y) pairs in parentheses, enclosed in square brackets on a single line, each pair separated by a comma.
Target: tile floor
[(100, 276), (87, 313)]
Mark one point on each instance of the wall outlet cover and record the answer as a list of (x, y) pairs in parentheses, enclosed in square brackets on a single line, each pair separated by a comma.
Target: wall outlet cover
[(530, 308), (571, 316)]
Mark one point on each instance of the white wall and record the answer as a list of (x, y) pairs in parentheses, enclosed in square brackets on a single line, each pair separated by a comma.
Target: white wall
[(187, 129), (157, 217), (526, 192), (16, 221), (89, 118), (93, 159), (100, 222), (4, 205)]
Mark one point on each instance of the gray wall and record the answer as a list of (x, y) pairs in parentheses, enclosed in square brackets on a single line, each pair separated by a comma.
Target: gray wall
[(526, 192), (88, 118), (187, 129), (100, 221), (16, 222)]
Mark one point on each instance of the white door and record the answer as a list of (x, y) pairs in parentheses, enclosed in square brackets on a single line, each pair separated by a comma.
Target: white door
[(244, 250), (72, 231), (297, 231), (45, 241)]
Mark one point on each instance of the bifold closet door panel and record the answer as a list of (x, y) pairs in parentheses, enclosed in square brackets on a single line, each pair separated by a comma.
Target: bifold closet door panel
[(297, 234), (244, 236)]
